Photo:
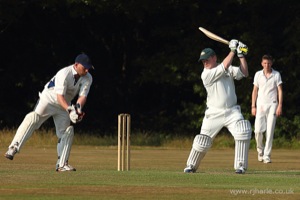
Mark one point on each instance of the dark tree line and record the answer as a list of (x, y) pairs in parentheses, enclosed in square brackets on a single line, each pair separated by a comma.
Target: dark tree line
[(145, 54)]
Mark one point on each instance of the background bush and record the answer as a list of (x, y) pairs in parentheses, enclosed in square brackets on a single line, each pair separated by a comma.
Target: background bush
[(145, 54)]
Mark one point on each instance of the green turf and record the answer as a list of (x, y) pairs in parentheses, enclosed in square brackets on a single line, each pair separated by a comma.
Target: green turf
[(156, 173)]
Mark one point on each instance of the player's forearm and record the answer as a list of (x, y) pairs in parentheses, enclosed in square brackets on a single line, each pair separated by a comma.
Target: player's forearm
[(280, 95), (254, 97), (62, 101), (244, 66), (81, 100), (228, 60)]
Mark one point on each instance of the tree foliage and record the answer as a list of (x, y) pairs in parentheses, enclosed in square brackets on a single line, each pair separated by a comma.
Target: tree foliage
[(145, 54)]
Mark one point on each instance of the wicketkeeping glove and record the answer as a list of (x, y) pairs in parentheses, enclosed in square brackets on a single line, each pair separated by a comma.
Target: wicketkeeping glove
[(242, 50), (233, 44), (72, 114), (79, 112)]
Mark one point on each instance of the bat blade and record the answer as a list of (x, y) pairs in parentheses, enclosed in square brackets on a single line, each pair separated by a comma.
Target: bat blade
[(213, 36), (219, 39)]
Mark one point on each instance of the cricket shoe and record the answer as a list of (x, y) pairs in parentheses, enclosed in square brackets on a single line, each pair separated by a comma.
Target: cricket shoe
[(267, 160), (11, 151), (65, 168), (70, 167), (260, 157), (240, 170), (189, 169)]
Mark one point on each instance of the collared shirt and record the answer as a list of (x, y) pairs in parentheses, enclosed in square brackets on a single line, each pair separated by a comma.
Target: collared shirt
[(219, 85), (267, 87), (64, 83)]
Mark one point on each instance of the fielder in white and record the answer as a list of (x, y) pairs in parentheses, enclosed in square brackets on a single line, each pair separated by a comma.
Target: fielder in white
[(55, 101), (222, 109), (266, 106)]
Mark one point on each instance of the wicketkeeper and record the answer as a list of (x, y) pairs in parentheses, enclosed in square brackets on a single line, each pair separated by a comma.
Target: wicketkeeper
[(55, 101), (222, 109)]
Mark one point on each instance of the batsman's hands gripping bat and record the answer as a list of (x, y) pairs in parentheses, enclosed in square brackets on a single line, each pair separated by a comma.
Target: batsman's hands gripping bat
[(233, 44), (222, 40), (240, 50)]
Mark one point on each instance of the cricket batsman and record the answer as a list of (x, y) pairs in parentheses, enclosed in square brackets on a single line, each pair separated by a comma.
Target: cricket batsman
[(222, 109)]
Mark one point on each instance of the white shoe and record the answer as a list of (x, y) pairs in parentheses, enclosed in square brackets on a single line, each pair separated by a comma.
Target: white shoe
[(65, 168), (189, 169), (267, 160), (260, 157), (70, 168), (11, 152), (240, 170)]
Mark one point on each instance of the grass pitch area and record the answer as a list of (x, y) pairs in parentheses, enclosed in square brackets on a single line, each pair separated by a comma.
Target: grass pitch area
[(156, 173)]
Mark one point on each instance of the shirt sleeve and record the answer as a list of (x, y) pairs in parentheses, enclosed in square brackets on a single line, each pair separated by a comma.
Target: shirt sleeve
[(279, 81), (235, 72), (255, 80), (85, 85), (209, 76), (60, 83)]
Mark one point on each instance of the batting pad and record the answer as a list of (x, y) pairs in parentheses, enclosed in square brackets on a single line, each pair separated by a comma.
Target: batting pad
[(26, 128), (241, 154), (243, 130), (64, 146), (200, 146)]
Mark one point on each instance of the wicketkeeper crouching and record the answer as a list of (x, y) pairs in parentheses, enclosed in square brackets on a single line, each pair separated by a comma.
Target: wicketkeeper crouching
[(55, 101)]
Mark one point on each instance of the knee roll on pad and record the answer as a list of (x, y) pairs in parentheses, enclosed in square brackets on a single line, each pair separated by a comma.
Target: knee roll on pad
[(30, 122), (243, 130), (33, 117), (202, 143), (68, 132)]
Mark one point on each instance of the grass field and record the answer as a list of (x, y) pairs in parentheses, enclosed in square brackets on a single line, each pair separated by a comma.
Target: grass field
[(156, 173)]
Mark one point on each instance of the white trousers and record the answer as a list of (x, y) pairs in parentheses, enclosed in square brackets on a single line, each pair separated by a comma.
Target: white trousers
[(265, 121), (60, 116), (215, 119), (45, 111)]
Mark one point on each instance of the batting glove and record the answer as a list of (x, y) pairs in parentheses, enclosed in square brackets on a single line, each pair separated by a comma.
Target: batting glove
[(72, 114), (233, 44), (242, 50)]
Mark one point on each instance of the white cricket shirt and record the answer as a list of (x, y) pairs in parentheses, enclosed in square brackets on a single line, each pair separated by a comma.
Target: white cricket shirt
[(64, 83), (267, 87), (219, 85)]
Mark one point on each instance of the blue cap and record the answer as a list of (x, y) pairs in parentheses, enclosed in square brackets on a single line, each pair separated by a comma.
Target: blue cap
[(84, 60)]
